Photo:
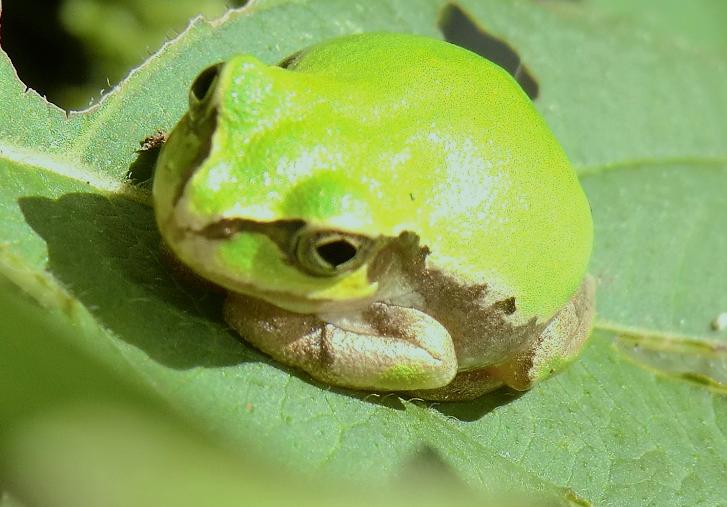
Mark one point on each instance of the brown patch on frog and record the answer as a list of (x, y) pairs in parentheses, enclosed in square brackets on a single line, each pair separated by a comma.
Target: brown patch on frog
[(484, 333), (573, 320), (515, 373), (507, 305), (325, 356)]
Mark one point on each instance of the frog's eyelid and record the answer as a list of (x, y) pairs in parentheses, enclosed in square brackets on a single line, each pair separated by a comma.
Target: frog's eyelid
[(330, 252)]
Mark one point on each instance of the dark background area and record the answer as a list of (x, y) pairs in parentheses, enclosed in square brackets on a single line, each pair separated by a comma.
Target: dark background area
[(45, 56), (72, 51)]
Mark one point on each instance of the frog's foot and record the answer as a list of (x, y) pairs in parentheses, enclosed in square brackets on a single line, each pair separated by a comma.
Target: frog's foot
[(558, 344), (385, 348)]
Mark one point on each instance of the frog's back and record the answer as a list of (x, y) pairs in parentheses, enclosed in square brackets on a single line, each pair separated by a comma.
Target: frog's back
[(381, 134), (387, 58), (468, 164)]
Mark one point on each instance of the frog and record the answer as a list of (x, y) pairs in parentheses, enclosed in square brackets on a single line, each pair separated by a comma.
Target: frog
[(386, 212)]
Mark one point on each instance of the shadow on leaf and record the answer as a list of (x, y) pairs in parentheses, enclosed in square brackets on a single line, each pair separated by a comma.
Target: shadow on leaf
[(478, 408), (106, 251)]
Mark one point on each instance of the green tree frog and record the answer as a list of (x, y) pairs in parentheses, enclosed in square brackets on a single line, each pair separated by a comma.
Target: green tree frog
[(387, 212)]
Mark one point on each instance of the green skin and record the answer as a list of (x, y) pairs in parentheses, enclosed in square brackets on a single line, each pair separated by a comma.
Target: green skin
[(388, 212)]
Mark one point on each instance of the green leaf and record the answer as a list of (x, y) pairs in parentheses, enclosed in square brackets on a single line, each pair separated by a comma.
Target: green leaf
[(7, 500), (642, 116), (660, 245), (96, 438), (701, 24), (659, 258), (696, 360)]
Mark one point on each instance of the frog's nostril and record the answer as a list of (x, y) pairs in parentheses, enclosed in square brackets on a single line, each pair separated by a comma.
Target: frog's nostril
[(204, 81), (336, 252)]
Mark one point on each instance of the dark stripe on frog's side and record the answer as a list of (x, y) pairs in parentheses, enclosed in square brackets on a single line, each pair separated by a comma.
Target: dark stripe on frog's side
[(484, 332), (295, 242), (279, 232)]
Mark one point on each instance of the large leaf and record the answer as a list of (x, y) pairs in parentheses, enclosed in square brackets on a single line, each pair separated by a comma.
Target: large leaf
[(642, 117), (701, 24), (81, 435)]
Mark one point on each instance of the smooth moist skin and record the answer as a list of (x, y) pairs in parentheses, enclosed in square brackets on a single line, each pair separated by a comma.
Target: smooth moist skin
[(388, 212)]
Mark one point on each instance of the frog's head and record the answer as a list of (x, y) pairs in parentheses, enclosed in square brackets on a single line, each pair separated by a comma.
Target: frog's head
[(257, 189)]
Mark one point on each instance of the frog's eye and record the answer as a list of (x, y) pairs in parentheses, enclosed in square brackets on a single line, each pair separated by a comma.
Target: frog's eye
[(203, 86), (329, 253)]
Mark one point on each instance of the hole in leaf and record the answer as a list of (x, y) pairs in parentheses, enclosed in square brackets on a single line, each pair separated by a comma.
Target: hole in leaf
[(47, 57), (336, 252), (460, 29)]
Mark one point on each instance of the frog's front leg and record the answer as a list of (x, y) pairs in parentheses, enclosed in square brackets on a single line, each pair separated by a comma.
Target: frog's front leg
[(385, 348), (557, 345)]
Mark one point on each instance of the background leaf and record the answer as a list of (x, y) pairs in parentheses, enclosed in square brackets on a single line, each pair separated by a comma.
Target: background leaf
[(640, 112)]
